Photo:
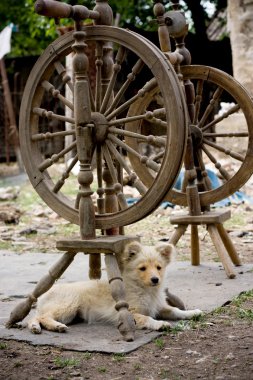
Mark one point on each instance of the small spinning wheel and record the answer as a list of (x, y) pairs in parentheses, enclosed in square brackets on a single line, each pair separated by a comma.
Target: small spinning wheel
[(217, 144), (112, 110)]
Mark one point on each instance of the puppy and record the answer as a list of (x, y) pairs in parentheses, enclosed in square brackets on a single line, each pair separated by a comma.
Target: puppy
[(144, 274)]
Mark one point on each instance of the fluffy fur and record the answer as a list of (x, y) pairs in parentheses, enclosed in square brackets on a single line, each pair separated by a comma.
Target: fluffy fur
[(143, 269)]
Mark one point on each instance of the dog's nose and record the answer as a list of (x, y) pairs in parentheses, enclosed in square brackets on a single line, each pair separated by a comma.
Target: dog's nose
[(154, 280)]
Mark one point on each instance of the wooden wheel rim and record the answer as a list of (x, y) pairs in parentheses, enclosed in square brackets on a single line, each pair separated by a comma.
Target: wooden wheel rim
[(238, 92), (165, 77)]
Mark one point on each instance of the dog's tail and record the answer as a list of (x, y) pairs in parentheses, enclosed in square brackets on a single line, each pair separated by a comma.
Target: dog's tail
[(174, 300)]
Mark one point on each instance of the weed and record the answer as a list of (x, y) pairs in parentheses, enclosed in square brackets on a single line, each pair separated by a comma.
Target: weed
[(66, 362), (245, 314), (3, 345), (118, 357), (180, 326), (87, 355), (18, 364), (137, 366), (159, 342), (244, 296), (164, 373), (102, 369)]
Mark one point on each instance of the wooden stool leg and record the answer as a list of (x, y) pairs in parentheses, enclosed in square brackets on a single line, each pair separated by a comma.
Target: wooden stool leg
[(179, 231), (222, 253), (126, 320), (194, 245), (229, 245), (94, 266), (24, 307)]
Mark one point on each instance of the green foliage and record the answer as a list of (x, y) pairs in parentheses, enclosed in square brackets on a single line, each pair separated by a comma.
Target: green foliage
[(33, 32)]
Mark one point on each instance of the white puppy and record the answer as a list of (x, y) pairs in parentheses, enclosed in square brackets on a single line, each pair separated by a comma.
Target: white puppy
[(143, 270)]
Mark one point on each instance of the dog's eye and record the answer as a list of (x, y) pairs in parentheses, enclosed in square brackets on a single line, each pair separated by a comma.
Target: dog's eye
[(158, 267), (142, 269)]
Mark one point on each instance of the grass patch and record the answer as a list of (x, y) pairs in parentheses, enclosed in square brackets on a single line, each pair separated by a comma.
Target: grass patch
[(159, 342), (102, 369), (6, 245), (87, 355), (118, 357), (66, 362)]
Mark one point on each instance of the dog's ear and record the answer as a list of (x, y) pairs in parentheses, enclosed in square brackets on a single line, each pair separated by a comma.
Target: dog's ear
[(131, 250), (166, 250)]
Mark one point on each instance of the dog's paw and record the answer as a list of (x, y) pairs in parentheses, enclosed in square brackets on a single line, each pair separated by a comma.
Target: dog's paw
[(194, 313), (160, 325), (198, 312), (60, 327), (35, 328)]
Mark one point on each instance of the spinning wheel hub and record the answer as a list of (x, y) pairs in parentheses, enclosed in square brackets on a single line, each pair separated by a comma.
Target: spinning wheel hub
[(101, 126), (197, 135)]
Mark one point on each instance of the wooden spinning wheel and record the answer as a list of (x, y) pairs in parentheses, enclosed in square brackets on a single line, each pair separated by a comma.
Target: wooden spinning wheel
[(110, 117), (217, 145)]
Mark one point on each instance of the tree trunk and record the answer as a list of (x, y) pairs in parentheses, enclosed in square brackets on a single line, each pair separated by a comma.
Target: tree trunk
[(240, 24)]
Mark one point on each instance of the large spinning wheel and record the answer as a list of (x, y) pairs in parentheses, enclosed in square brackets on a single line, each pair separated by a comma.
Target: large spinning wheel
[(111, 98), (222, 141)]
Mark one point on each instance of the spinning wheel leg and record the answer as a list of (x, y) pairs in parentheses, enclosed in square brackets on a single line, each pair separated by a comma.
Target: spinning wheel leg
[(222, 253), (195, 260), (126, 324), (220, 238), (229, 245), (24, 307)]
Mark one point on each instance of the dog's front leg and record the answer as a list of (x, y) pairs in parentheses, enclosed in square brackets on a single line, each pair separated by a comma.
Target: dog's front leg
[(146, 322), (174, 313)]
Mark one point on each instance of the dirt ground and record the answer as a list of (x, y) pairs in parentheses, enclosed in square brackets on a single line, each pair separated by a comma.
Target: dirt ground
[(219, 346)]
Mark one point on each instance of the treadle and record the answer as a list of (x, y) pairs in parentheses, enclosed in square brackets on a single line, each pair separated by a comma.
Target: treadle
[(214, 222), (100, 244)]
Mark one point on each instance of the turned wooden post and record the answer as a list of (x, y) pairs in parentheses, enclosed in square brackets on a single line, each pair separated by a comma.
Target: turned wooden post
[(126, 324)]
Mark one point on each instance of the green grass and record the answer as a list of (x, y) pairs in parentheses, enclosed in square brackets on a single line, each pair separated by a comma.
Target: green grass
[(66, 362), (159, 342), (102, 369), (118, 357)]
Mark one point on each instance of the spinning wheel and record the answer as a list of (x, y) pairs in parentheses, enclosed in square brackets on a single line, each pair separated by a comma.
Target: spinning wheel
[(217, 145), (110, 116)]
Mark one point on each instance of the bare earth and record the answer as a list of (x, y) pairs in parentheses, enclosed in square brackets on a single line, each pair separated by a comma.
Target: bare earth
[(219, 346)]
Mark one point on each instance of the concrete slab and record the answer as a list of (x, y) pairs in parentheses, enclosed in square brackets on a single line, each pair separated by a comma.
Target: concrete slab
[(205, 287)]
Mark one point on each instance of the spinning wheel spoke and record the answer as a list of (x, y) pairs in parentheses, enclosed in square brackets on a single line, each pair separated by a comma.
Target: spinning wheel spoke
[(50, 115), (217, 164), (66, 79), (117, 186), (146, 88), (116, 69), (65, 175), (49, 135), (214, 100), (98, 63), (198, 99), (156, 141), (55, 157), (130, 78), (143, 159), (56, 94), (132, 176), (228, 152), (219, 119)]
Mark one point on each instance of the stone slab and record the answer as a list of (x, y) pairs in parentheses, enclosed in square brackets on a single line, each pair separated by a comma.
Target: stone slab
[(205, 287)]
